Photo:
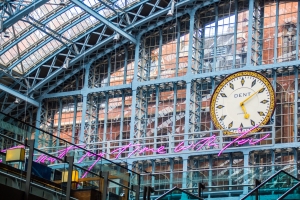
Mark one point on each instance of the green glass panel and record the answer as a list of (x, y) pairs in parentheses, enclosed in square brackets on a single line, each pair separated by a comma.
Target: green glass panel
[(294, 194), (275, 187), (178, 194)]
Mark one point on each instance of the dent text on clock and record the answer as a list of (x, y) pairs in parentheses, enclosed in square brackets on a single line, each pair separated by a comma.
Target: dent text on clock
[(242, 94)]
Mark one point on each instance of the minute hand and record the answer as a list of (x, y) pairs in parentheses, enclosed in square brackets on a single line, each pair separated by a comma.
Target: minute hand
[(242, 103)]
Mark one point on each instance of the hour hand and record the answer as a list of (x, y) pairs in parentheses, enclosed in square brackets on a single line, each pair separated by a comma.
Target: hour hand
[(246, 115)]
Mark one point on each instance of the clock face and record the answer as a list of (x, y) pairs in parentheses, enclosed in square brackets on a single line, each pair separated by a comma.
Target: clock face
[(243, 99)]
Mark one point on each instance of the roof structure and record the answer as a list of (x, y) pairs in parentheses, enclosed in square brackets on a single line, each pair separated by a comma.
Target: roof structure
[(45, 42)]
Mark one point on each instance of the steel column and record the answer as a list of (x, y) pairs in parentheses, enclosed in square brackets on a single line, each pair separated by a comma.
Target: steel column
[(157, 93), (108, 70), (235, 32), (70, 160), (246, 171), (210, 176), (215, 37), (296, 91), (177, 48), (191, 31), (74, 118), (83, 116), (174, 110), (59, 120), (38, 125), (29, 143), (184, 172), (159, 54), (105, 116), (297, 31), (125, 64), (122, 119), (250, 32), (276, 31)]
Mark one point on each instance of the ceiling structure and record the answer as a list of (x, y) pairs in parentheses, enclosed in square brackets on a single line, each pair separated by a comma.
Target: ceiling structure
[(45, 42)]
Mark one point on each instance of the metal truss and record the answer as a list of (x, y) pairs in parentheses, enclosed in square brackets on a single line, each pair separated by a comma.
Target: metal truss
[(39, 83), (13, 11), (104, 20)]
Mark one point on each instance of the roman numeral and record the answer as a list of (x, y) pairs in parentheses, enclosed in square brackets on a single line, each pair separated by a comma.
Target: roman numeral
[(253, 83)]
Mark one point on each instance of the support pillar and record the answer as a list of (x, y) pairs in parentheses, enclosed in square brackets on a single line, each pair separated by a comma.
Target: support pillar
[(184, 172), (105, 185), (250, 25), (70, 160), (296, 90), (84, 103), (29, 143), (74, 119), (246, 172), (37, 124)]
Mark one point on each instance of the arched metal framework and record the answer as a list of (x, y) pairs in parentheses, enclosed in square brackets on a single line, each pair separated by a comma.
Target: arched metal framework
[(113, 73)]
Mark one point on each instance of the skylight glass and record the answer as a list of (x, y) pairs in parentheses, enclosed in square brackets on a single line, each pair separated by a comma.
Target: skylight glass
[(70, 16)]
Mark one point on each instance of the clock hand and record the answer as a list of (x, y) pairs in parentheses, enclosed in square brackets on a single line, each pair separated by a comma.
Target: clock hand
[(246, 115), (242, 103)]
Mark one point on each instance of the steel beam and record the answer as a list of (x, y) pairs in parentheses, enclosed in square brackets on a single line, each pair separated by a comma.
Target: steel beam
[(104, 20), (46, 80), (296, 91), (74, 118), (15, 18), (29, 167), (19, 95), (250, 31), (109, 39)]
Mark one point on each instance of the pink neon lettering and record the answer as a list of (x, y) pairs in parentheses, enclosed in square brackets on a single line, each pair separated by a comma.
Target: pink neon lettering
[(181, 147), (122, 149), (242, 141), (257, 141), (161, 150), (138, 147), (243, 133), (84, 156), (89, 169), (146, 149), (209, 141)]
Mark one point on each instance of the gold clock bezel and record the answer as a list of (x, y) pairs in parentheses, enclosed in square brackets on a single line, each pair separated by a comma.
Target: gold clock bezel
[(257, 75)]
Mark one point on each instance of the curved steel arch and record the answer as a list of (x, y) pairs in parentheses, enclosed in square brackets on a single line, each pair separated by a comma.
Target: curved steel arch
[(54, 78)]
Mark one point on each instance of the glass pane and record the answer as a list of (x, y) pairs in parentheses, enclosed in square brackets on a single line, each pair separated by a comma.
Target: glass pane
[(178, 194), (294, 194), (275, 187)]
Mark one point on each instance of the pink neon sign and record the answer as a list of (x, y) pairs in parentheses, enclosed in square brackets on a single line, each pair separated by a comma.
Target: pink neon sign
[(137, 148)]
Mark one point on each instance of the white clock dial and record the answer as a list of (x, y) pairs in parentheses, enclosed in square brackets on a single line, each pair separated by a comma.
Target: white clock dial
[(244, 99)]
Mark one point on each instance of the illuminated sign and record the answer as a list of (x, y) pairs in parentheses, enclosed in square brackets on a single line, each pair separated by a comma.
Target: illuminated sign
[(138, 149)]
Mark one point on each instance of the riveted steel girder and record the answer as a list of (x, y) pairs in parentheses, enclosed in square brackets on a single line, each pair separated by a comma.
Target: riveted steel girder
[(104, 20), (19, 95)]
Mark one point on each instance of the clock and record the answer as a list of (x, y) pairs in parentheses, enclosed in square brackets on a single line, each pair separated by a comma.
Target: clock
[(242, 100)]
